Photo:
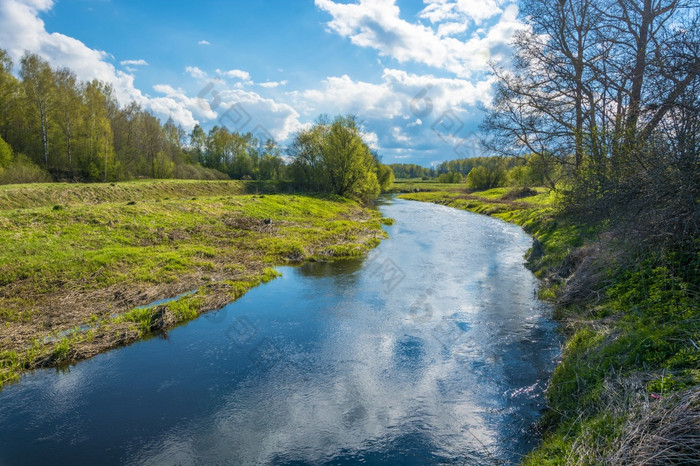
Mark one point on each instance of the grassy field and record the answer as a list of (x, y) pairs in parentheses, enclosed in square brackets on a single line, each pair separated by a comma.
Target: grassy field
[(78, 262), (628, 387), (417, 185)]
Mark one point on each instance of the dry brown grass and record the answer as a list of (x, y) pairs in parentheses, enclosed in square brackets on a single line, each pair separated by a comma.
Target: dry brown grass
[(662, 433)]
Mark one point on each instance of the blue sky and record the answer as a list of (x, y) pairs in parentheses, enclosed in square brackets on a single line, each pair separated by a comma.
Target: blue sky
[(415, 72)]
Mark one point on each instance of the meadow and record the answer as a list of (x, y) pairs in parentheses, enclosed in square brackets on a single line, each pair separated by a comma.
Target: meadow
[(80, 263)]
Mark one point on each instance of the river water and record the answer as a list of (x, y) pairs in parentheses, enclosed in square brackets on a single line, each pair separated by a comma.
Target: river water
[(432, 350)]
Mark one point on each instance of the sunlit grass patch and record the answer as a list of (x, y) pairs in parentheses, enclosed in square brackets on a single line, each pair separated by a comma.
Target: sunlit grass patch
[(111, 248)]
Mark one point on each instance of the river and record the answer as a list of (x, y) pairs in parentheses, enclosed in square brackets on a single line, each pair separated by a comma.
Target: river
[(432, 350)]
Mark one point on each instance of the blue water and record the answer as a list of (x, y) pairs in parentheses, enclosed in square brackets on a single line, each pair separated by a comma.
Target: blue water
[(433, 350)]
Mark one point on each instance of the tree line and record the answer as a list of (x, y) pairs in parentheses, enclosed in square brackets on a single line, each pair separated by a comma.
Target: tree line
[(486, 172), (54, 127), (62, 129)]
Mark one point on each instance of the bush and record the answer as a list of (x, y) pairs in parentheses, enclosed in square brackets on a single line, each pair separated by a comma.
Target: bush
[(451, 177), (487, 176), (23, 170), (5, 154), (385, 176)]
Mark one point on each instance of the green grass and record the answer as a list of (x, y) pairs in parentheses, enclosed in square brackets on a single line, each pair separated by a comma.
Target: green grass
[(417, 185), (112, 248)]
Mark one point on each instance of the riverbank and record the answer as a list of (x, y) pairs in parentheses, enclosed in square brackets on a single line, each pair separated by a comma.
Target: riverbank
[(80, 265), (627, 390)]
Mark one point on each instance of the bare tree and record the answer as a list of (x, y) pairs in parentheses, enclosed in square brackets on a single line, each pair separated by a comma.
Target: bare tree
[(599, 87)]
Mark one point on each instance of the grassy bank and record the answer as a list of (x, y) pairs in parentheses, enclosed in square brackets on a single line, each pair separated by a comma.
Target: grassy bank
[(79, 262), (627, 390)]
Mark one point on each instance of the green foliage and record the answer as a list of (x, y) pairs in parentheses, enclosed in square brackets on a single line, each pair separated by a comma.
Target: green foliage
[(23, 170), (490, 175), (5, 154), (162, 166), (77, 131), (385, 177), (331, 157), (411, 171), (451, 177)]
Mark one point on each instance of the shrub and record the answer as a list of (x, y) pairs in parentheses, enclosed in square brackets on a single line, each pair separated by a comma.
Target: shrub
[(5, 154), (23, 170), (487, 176)]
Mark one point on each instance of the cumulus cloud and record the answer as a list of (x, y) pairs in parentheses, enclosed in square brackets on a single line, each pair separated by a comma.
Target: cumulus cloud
[(438, 11), (346, 95), (235, 74), (371, 139), (180, 107), (195, 72), (273, 84), (405, 110), (248, 111), (398, 95), (203, 42), (377, 24), (140, 62)]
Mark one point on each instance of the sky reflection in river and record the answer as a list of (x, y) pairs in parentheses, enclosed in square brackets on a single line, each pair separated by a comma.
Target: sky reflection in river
[(332, 363)]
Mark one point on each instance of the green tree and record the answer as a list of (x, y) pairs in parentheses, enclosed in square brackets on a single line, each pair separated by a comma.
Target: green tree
[(450, 177), (332, 157), (348, 161), (98, 143), (385, 176), (308, 168), (67, 110), (198, 144), (39, 89), (486, 176), (162, 166), (10, 91)]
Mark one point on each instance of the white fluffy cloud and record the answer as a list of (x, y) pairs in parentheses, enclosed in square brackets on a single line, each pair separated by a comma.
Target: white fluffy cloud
[(195, 72), (235, 74), (140, 62), (438, 11), (377, 24), (404, 110), (248, 111), (22, 30), (183, 109), (203, 42), (273, 84), (400, 94), (346, 95)]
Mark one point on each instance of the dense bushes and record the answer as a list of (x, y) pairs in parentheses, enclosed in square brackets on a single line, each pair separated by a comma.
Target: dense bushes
[(23, 170), (18, 168), (451, 177)]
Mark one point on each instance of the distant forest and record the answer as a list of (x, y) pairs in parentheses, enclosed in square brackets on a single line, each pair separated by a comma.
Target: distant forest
[(54, 127)]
